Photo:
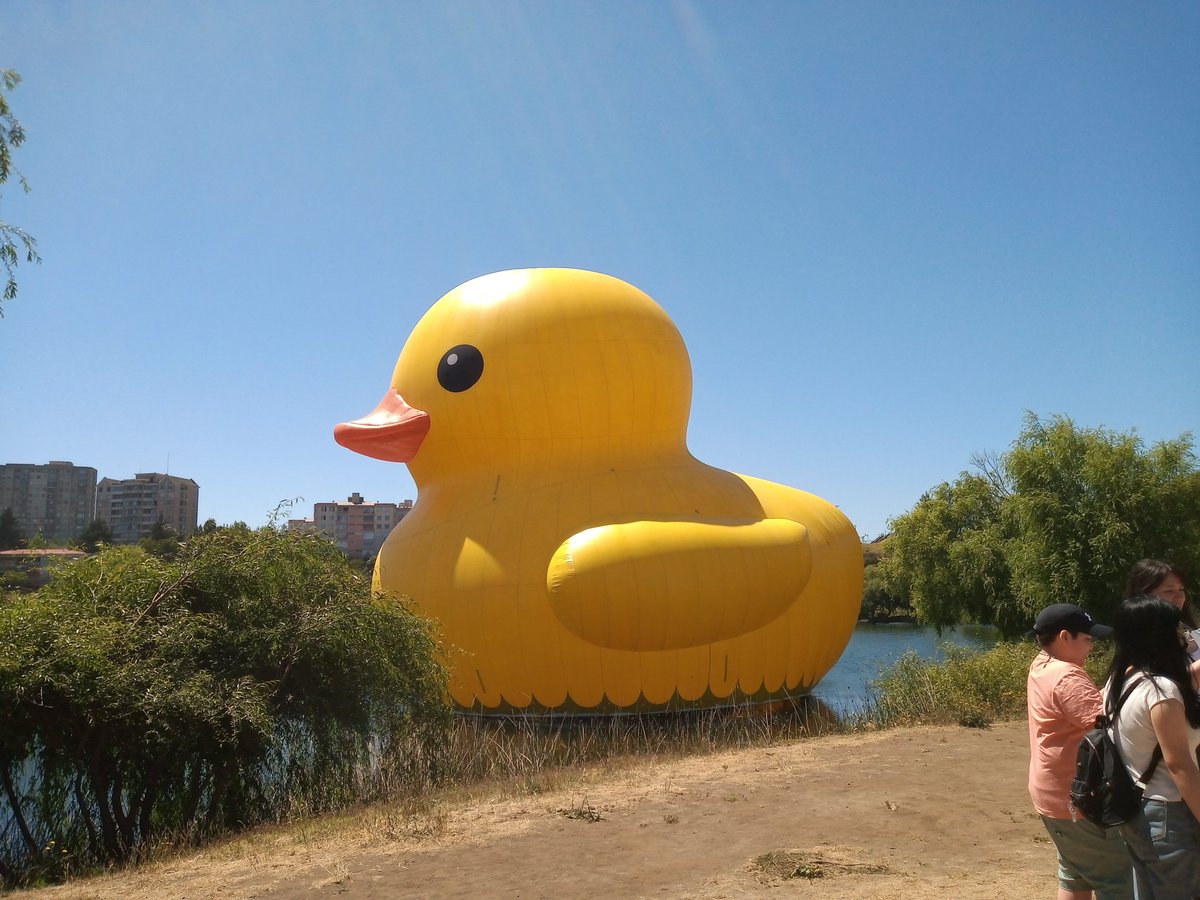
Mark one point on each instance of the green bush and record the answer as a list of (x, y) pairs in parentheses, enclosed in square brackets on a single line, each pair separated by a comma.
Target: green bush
[(980, 686), (250, 677), (967, 688)]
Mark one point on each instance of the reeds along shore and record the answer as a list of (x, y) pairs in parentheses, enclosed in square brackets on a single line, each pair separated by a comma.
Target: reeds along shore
[(966, 688), (514, 755)]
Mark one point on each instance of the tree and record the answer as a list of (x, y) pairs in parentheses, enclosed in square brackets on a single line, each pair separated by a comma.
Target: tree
[(94, 535), (877, 601), (1061, 517), (14, 242), (252, 675), (1090, 503), (10, 532), (947, 554), (162, 542)]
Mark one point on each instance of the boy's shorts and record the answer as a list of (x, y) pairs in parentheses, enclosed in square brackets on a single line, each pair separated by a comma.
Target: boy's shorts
[(1091, 858)]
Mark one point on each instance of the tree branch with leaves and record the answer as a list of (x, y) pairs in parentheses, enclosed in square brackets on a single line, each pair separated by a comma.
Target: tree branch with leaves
[(15, 243)]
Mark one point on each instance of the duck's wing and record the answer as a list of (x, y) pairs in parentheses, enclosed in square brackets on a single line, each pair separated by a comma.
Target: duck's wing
[(665, 585)]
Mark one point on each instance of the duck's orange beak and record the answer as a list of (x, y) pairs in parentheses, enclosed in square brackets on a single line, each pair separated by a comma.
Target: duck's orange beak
[(393, 431)]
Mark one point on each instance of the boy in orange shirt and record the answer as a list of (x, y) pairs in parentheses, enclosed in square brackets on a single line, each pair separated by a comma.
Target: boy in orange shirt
[(1063, 704)]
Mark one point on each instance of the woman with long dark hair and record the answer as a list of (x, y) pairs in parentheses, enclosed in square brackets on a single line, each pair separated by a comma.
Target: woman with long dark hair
[(1160, 707)]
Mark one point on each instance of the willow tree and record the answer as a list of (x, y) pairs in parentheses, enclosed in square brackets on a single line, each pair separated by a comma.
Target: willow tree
[(1060, 517), (946, 557), (1089, 503)]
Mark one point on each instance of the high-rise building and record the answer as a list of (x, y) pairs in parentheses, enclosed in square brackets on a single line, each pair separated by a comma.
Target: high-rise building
[(359, 527), (56, 501), (133, 506)]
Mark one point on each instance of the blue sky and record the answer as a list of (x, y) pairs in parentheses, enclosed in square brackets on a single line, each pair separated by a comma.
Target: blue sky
[(885, 230)]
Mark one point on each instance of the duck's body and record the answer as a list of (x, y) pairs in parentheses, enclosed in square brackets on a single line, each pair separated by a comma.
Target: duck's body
[(576, 555)]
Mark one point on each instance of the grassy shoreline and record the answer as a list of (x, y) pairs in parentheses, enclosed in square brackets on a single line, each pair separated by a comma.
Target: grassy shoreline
[(485, 760)]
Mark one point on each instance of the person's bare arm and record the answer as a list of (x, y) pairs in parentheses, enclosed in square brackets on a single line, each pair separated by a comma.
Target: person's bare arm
[(1170, 726)]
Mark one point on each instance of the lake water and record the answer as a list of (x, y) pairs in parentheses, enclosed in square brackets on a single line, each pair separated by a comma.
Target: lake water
[(875, 647)]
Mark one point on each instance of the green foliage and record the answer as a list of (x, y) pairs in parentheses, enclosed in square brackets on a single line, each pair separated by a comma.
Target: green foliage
[(1090, 503), (252, 676), (40, 542), (94, 535), (10, 532), (1061, 517), (12, 135), (966, 688), (163, 541), (947, 554), (878, 603)]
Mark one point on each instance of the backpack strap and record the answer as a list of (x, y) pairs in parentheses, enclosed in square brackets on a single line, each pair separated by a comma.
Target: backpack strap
[(1156, 756), (1112, 712)]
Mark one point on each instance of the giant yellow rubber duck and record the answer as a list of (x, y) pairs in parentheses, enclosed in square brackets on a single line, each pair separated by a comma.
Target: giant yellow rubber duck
[(578, 557)]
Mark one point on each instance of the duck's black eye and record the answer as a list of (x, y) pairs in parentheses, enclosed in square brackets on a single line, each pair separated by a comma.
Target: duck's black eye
[(460, 368)]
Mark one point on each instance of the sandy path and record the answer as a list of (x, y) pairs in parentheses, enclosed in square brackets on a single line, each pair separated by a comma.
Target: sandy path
[(924, 812)]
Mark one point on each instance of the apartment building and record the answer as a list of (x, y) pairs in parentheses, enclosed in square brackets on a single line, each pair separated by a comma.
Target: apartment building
[(358, 527), (133, 506), (56, 501)]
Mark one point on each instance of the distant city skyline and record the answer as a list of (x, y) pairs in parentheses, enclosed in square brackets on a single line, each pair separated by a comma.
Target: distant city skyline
[(58, 500), (359, 540)]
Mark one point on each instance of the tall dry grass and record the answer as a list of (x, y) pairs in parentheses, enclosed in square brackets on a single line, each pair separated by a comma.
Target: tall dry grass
[(405, 795), (516, 749), (967, 688)]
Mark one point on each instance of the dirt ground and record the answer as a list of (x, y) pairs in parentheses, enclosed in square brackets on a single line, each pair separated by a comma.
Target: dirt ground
[(913, 813)]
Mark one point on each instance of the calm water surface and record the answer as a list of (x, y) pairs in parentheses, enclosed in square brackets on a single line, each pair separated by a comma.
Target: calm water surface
[(875, 647)]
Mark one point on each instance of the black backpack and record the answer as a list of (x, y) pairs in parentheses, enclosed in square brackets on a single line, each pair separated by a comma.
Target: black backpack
[(1102, 790)]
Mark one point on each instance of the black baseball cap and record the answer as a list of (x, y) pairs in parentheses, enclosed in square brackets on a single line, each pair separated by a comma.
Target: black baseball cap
[(1068, 616)]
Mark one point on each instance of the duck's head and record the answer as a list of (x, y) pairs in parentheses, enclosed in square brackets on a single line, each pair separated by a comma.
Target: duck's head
[(531, 365)]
